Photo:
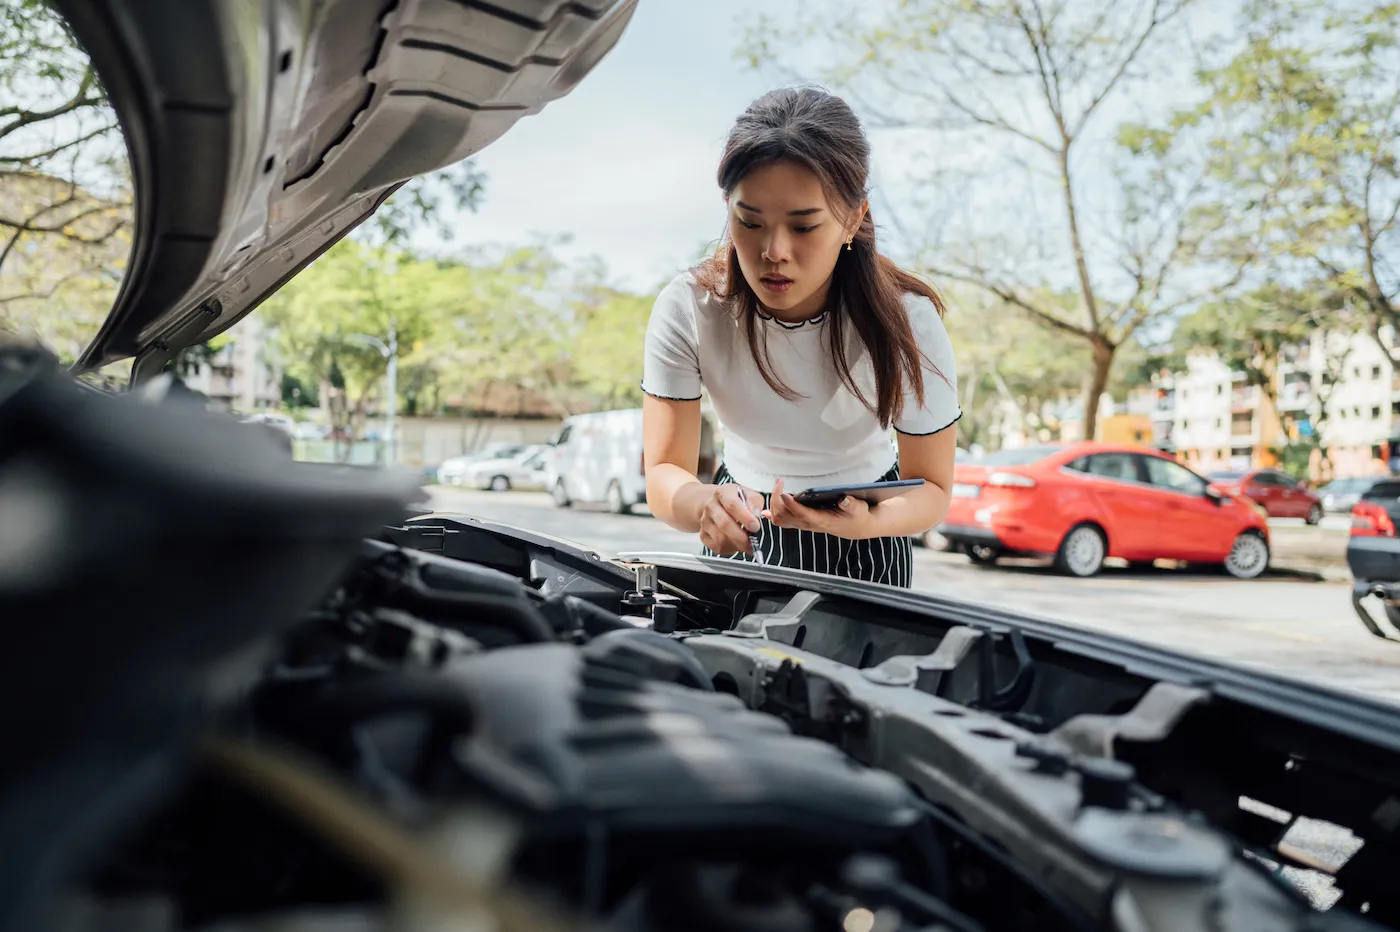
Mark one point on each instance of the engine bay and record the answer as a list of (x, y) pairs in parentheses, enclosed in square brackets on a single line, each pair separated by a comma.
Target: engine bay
[(268, 697)]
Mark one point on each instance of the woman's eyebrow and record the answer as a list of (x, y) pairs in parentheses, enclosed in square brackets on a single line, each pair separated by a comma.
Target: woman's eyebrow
[(806, 211)]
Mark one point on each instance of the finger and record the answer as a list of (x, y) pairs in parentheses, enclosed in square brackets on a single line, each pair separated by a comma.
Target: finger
[(800, 515), (780, 515), (736, 505), (725, 529)]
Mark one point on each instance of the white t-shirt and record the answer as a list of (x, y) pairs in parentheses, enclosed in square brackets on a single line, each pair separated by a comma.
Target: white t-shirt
[(824, 437)]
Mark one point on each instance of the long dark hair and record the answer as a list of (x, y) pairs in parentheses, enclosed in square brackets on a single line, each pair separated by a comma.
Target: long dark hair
[(818, 131)]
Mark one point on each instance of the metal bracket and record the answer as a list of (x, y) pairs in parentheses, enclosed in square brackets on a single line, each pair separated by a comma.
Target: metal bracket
[(1153, 719), (645, 576), (1013, 695), (774, 625), (927, 673), (150, 363)]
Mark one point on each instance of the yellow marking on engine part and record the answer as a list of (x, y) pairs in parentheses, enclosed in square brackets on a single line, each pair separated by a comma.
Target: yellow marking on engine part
[(774, 652)]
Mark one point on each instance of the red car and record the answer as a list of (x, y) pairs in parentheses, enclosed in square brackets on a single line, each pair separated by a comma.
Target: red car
[(1084, 502), (1280, 495)]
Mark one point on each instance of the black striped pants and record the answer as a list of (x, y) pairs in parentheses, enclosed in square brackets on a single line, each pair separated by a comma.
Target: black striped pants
[(887, 560)]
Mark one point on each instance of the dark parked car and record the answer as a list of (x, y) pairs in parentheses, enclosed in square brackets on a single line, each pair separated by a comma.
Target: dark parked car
[(1373, 555)]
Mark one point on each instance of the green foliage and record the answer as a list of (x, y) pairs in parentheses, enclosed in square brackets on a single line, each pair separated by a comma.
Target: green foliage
[(297, 393), (517, 319), (607, 357), (65, 207), (1295, 457), (328, 318), (1304, 118)]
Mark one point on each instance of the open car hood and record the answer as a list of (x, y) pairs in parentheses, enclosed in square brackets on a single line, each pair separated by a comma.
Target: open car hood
[(261, 133)]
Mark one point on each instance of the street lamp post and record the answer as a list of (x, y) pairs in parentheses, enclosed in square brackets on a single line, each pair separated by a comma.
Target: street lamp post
[(390, 433)]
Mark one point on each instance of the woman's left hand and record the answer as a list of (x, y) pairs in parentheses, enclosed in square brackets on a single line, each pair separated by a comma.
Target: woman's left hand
[(847, 519)]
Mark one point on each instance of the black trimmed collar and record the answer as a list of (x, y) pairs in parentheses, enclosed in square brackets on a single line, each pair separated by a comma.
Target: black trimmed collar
[(809, 322)]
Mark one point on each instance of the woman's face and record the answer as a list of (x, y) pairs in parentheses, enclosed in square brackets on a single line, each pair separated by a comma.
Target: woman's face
[(788, 237)]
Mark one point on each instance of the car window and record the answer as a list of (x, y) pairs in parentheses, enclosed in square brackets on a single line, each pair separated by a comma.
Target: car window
[(1225, 476), (1279, 479), (1021, 456), (1173, 476), (1121, 466), (1382, 490), (564, 435)]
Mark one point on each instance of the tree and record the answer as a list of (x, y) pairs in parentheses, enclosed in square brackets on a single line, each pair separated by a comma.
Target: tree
[(1033, 81), (1007, 363), (1307, 113), (1250, 333), (1253, 334), (65, 205), (608, 347), (510, 325), (327, 319)]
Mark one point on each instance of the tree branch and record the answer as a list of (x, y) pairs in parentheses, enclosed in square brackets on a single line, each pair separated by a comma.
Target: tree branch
[(23, 118), (50, 153), (1012, 298), (1125, 64)]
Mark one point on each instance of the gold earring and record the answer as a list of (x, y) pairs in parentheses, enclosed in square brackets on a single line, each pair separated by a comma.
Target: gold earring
[(848, 244)]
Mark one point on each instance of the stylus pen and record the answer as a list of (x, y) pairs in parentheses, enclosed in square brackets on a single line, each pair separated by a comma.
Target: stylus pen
[(755, 545)]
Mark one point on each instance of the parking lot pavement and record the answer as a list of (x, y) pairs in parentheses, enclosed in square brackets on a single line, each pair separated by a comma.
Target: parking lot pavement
[(1296, 627)]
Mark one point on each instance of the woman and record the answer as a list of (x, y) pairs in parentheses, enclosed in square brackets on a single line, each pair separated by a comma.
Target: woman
[(812, 347)]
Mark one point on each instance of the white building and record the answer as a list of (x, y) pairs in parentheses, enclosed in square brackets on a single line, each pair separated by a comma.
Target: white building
[(240, 377), (1341, 385)]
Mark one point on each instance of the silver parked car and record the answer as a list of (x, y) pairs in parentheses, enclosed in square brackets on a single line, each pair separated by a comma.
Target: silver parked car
[(525, 470), (1341, 495)]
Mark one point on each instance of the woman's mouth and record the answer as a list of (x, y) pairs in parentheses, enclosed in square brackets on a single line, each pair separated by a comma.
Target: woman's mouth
[(777, 284)]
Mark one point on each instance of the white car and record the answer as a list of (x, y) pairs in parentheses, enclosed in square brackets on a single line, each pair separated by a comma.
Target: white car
[(453, 471), (524, 471)]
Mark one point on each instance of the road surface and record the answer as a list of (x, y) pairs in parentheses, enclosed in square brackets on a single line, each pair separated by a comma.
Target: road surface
[(1299, 628)]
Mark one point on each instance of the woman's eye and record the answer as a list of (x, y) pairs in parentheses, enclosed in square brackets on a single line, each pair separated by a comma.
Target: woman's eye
[(748, 226), (807, 229)]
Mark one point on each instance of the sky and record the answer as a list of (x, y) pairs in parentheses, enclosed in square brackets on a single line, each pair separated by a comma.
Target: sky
[(626, 162)]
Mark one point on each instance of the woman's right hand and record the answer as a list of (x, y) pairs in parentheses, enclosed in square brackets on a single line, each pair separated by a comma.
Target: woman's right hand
[(727, 518)]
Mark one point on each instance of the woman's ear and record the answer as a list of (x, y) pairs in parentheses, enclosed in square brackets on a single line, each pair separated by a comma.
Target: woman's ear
[(857, 218)]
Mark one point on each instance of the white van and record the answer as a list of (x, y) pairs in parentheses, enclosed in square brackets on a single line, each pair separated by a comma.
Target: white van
[(597, 458)]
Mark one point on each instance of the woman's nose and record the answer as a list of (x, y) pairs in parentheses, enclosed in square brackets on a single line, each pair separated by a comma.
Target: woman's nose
[(776, 249)]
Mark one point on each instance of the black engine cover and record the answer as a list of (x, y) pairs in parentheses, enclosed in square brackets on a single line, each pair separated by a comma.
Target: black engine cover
[(607, 756)]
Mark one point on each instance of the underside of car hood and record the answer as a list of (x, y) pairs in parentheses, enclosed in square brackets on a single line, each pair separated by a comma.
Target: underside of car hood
[(260, 133)]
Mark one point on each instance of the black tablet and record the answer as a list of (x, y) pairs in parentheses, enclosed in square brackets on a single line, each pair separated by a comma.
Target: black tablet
[(873, 492)]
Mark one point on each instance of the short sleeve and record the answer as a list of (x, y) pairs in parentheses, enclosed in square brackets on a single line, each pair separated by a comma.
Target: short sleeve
[(671, 362), (940, 409)]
